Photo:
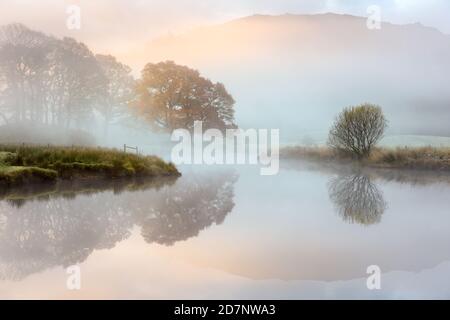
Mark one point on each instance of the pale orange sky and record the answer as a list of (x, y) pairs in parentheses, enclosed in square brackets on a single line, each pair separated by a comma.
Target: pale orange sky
[(121, 27)]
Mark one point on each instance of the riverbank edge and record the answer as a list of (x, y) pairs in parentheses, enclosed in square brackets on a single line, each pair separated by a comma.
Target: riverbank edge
[(410, 158), (21, 165)]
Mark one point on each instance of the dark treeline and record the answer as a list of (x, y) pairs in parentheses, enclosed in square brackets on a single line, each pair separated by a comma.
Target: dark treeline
[(60, 82), (46, 80)]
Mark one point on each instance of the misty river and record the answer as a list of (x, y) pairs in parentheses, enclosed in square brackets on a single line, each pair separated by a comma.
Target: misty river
[(228, 232)]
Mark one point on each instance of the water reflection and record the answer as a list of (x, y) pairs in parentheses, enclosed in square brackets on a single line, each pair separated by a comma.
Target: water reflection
[(63, 228), (403, 176), (180, 212), (354, 191), (356, 198), (18, 196)]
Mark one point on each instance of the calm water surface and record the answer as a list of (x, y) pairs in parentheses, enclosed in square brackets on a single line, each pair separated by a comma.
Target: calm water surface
[(231, 233)]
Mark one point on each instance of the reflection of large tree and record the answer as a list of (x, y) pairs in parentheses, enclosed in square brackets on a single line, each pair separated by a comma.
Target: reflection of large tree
[(180, 212), (357, 199), (62, 231)]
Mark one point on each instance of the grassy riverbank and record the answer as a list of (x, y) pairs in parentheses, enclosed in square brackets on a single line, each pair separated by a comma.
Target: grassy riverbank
[(24, 164), (423, 158)]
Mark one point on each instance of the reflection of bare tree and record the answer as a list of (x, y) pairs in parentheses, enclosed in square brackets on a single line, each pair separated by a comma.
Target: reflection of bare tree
[(357, 199), (61, 230)]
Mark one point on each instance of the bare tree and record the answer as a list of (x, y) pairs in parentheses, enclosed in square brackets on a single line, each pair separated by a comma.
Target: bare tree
[(357, 129)]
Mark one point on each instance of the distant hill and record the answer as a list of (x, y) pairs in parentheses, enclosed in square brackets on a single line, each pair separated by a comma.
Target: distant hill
[(296, 72)]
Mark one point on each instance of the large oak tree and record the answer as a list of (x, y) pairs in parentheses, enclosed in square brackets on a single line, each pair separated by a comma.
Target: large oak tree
[(170, 96)]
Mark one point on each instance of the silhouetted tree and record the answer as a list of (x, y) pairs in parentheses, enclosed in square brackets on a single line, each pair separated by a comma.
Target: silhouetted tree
[(120, 88), (171, 96), (358, 129), (76, 82), (46, 80), (23, 61)]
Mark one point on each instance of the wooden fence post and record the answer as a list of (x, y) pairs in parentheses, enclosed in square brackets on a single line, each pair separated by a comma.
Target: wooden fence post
[(125, 147)]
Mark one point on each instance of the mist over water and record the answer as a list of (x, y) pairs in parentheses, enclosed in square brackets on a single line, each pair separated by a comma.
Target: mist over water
[(309, 231), (205, 230)]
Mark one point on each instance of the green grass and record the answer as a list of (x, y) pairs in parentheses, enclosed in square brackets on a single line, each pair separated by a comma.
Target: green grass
[(21, 163), (14, 175), (420, 158)]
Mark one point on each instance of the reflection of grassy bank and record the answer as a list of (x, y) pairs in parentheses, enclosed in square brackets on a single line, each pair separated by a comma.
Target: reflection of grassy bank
[(70, 189), (423, 158), (14, 175), (24, 164), (354, 190), (408, 176)]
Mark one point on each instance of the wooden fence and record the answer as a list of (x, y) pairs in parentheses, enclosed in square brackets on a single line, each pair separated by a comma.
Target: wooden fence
[(125, 148)]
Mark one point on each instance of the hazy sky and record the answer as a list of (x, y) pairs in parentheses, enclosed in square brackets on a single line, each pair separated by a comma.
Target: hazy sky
[(118, 26)]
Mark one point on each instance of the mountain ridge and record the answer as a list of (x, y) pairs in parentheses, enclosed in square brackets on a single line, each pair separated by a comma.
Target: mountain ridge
[(298, 71), (295, 72), (253, 17)]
